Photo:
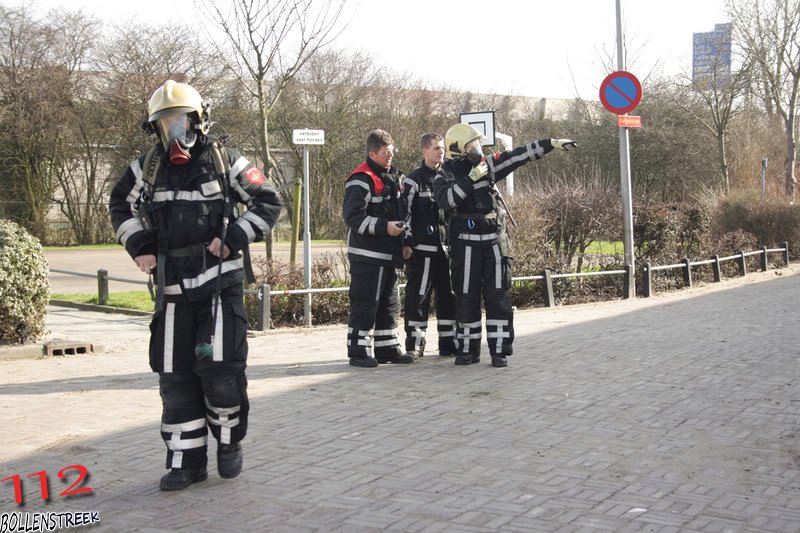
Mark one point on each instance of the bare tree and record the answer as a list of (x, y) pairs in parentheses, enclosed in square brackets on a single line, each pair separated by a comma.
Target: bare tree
[(271, 41), (78, 169), (32, 101), (769, 31), (578, 211), (40, 63), (335, 92), (713, 99)]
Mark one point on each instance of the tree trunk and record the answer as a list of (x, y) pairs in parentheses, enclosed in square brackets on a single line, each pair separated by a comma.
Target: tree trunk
[(791, 157), (723, 162), (298, 191), (263, 111), (37, 194)]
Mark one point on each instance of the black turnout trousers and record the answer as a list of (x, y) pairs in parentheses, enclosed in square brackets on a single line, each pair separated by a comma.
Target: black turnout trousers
[(481, 271), (429, 274), (200, 393), (374, 309)]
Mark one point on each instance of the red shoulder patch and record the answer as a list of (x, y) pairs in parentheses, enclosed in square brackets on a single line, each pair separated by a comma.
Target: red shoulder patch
[(254, 176), (497, 156)]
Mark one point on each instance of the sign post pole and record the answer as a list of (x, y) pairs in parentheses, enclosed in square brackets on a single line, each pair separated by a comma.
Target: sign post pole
[(625, 178), (307, 137), (306, 238)]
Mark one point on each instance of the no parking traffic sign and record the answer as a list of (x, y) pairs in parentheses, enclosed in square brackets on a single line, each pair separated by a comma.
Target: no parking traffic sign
[(620, 92)]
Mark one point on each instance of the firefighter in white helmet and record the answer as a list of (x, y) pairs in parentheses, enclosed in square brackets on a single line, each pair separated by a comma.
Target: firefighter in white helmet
[(480, 265)]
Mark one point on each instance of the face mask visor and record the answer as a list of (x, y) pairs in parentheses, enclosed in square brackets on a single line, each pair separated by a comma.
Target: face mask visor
[(177, 126), (473, 151)]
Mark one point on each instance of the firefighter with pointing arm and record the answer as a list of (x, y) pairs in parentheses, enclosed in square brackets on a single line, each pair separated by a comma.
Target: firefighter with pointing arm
[(480, 265)]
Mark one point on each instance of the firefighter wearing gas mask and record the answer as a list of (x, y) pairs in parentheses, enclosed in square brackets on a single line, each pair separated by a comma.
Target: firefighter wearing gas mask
[(480, 265), (173, 212), (375, 218)]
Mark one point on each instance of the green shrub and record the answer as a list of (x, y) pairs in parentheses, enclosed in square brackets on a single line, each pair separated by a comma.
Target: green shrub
[(24, 285)]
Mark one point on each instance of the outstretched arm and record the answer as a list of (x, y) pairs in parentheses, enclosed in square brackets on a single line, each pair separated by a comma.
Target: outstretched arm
[(502, 164)]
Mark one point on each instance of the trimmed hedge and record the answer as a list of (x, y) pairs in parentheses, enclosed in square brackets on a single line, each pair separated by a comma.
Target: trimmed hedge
[(24, 285)]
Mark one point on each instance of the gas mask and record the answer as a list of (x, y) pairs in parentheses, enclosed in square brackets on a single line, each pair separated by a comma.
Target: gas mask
[(473, 152), (474, 155), (178, 135)]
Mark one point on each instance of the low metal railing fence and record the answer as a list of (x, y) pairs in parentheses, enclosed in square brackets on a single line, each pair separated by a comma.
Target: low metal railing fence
[(264, 292), (716, 263)]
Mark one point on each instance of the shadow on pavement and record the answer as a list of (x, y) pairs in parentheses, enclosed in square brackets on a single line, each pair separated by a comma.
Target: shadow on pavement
[(149, 380)]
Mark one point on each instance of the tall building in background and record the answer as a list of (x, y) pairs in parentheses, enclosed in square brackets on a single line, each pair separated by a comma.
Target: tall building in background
[(711, 56)]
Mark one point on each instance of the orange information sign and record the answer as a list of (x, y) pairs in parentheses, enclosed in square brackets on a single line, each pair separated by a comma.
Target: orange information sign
[(629, 121)]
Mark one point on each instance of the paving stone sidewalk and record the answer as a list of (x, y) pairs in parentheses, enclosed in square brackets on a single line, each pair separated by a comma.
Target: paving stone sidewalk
[(676, 413)]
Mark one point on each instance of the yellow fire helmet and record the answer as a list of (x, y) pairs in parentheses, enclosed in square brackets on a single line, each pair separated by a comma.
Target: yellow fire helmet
[(174, 97), (457, 138)]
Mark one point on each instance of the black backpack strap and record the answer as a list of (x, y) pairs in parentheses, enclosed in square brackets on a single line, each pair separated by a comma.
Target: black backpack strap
[(223, 167), (152, 162)]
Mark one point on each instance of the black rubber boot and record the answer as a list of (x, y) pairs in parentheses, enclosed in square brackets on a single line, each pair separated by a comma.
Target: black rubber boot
[(366, 362), (395, 358), (180, 478), (467, 359), (229, 460), (499, 361)]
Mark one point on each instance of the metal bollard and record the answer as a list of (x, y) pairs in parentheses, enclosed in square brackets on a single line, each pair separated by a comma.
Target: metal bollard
[(764, 259), (687, 272), (102, 287), (786, 253), (717, 269), (626, 292), (647, 277), (547, 287), (263, 320), (742, 263)]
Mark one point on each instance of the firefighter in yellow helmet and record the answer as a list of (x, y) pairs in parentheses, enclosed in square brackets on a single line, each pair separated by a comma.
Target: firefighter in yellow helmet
[(465, 189), (172, 211), (177, 113)]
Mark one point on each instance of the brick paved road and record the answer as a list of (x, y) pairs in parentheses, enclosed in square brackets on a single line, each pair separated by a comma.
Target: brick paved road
[(679, 413)]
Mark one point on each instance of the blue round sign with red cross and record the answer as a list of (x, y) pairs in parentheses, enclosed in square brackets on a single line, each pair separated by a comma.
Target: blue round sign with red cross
[(620, 92)]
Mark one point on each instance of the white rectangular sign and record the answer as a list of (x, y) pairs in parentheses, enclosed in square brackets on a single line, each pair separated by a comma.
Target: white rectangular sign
[(308, 136)]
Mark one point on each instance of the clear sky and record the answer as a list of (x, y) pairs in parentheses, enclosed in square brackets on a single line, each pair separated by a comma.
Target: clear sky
[(540, 48)]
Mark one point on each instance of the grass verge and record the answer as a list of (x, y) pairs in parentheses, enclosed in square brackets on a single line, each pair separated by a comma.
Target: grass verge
[(606, 248), (139, 300)]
